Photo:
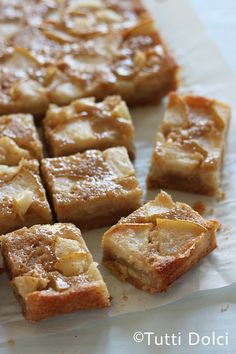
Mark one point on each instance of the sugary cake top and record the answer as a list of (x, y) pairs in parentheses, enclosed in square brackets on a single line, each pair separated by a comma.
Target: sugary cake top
[(74, 17), (61, 51), (91, 174), (85, 121), (48, 257), (194, 127), (110, 57), (111, 107), (161, 228)]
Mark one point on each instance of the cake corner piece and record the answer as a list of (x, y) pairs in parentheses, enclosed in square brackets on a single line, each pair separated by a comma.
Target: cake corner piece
[(54, 273), (22, 195), (190, 145), (158, 243), (19, 139)]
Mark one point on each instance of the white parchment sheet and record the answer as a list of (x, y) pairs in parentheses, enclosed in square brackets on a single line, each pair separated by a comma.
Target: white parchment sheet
[(203, 71)]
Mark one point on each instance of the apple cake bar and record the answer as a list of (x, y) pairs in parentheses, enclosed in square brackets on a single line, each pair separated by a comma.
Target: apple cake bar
[(52, 271), (55, 52), (18, 139), (85, 124), (92, 189), (22, 197), (157, 243), (190, 145)]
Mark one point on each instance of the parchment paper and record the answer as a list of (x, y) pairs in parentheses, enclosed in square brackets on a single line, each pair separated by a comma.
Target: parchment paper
[(203, 71)]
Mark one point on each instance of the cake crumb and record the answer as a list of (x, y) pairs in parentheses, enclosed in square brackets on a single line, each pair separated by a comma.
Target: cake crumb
[(200, 207), (11, 343), (2, 270), (221, 195), (125, 297), (224, 308)]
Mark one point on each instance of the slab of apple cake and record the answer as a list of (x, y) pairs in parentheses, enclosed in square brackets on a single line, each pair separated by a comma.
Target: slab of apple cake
[(86, 124), (190, 145), (157, 243), (23, 199), (52, 271), (58, 51), (92, 189)]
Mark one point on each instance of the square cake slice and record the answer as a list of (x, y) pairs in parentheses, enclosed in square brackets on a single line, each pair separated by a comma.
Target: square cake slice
[(18, 139), (92, 189), (190, 145), (157, 243), (52, 272), (22, 197), (85, 125)]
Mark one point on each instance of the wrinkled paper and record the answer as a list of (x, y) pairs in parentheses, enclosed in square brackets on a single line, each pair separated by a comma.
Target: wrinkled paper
[(203, 71)]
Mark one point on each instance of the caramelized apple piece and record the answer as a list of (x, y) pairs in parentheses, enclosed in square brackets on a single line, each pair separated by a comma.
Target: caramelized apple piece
[(74, 263), (178, 159), (10, 152), (115, 158), (176, 236), (27, 284), (22, 201), (121, 110), (57, 283), (64, 246)]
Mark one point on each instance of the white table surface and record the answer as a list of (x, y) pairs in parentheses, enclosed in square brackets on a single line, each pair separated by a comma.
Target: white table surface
[(203, 313)]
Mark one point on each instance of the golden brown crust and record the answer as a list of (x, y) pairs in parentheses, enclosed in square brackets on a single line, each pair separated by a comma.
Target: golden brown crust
[(22, 196), (158, 243), (32, 258), (85, 124), (65, 52), (40, 307), (92, 189), (190, 146)]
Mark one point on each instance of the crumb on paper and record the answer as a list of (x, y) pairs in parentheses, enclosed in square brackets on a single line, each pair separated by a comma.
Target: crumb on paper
[(220, 195), (125, 297), (200, 207), (11, 342), (224, 308), (2, 270)]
